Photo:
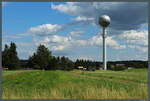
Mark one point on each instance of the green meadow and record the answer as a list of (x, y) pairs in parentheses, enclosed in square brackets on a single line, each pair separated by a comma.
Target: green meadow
[(76, 84)]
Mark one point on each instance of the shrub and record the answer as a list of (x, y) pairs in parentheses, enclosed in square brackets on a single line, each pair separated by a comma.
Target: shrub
[(119, 68)]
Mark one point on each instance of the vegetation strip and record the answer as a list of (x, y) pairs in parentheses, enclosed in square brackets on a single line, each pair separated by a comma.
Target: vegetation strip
[(67, 85), (105, 78)]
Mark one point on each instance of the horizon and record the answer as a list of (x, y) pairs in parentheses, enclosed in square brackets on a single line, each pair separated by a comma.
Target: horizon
[(77, 35)]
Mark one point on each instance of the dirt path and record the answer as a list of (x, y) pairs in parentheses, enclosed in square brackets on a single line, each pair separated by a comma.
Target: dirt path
[(105, 78)]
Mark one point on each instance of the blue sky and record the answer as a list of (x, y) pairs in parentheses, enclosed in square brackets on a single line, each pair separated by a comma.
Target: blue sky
[(71, 29)]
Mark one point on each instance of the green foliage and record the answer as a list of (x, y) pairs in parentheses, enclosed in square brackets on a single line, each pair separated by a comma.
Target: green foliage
[(43, 56), (10, 59), (5, 56), (132, 63), (66, 64), (53, 64), (37, 84), (40, 59), (119, 68), (43, 59)]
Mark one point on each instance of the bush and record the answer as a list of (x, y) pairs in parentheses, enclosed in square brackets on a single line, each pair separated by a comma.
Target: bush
[(91, 68), (119, 68), (36, 67)]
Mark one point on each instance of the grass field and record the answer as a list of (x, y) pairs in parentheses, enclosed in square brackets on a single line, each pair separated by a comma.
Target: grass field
[(36, 84)]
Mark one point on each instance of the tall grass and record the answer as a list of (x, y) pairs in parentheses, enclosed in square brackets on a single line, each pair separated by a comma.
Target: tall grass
[(64, 85), (72, 92), (135, 75)]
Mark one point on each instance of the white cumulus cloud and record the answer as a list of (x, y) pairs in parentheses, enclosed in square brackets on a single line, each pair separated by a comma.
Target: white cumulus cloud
[(135, 37), (82, 18), (98, 40), (46, 29), (76, 33)]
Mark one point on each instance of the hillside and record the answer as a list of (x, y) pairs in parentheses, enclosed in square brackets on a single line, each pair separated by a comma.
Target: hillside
[(36, 84)]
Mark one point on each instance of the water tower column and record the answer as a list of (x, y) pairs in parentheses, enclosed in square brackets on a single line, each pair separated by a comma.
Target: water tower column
[(104, 49)]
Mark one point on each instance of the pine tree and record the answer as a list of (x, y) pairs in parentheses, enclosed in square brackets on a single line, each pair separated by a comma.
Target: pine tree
[(40, 59), (5, 57), (10, 59)]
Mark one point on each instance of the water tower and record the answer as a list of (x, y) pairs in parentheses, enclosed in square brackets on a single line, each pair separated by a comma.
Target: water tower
[(104, 21)]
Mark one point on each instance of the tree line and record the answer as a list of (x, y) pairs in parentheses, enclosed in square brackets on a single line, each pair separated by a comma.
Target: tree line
[(43, 59)]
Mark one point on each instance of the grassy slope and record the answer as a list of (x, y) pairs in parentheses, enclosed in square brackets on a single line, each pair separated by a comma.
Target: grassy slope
[(74, 85), (136, 75)]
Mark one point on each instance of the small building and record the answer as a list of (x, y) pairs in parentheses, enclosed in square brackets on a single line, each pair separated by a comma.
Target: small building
[(120, 65), (80, 67), (130, 67), (5, 68)]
